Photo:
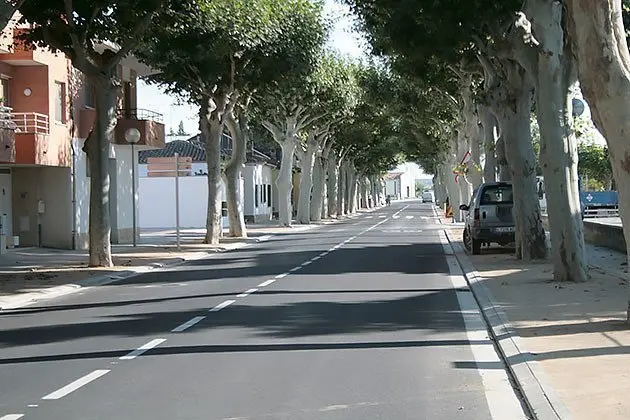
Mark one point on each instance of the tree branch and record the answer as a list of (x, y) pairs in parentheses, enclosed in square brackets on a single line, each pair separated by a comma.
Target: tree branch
[(136, 36)]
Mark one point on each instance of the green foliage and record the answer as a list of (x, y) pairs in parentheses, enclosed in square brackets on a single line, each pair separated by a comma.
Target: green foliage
[(594, 163), (120, 23), (238, 45)]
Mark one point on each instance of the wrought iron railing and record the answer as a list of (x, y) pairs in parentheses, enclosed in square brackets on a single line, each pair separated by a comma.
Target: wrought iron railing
[(140, 114)]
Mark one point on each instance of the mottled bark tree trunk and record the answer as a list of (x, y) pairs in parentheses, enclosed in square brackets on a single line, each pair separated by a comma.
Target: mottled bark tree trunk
[(97, 148), (234, 173)]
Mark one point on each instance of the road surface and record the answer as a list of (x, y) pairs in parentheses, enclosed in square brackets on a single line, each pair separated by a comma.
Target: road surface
[(362, 319)]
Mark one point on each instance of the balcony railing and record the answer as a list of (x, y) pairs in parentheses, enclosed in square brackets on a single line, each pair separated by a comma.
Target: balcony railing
[(30, 123), (140, 114)]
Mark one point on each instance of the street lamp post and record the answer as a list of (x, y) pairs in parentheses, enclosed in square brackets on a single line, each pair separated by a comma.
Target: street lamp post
[(132, 136)]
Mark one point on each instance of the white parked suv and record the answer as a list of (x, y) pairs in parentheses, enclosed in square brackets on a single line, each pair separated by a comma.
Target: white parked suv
[(428, 197)]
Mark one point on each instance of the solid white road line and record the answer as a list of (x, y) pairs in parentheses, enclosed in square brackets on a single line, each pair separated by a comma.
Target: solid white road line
[(222, 305), (71, 387), (188, 324), (266, 283), (500, 395), (143, 349), (247, 293), (12, 417)]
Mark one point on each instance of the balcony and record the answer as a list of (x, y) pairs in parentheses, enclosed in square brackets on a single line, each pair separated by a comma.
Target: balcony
[(30, 123), (149, 123)]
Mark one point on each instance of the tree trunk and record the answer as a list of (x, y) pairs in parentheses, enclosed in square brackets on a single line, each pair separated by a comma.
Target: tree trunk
[(452, 185), (319, 184), (505, 174), (490, 134), (342, 202), (307, 161), (514, 117), (284, 182), (352, 187), (599, 41), (234, 173), (97, 148), (364, 183), (558, 146), (212, 125), (333, 186)]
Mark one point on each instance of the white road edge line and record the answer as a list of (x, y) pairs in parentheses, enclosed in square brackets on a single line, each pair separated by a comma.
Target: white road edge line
[(143, 349), (12, 417), (222, 305), (266, 283), (188, 324), (247, 293), (73, 386), (502, 400)]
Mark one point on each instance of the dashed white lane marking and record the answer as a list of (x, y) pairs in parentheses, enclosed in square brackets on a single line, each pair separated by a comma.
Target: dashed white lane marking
[(266, 283), (315, 258), (395, 216), (264, 238), (12, 417), (305, 263), (247, 293), (73, 386), (188, 324), (280, 276), (143, 349), (222, 305), (382, 216), (408, 217), (294, 269), (369, 217)]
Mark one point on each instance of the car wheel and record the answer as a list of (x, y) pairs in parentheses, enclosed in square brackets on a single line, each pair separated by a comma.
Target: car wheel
[(467, 240), (476, 246)]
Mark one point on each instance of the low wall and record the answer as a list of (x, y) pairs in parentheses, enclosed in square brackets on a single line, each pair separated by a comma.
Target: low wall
[(600, 234)]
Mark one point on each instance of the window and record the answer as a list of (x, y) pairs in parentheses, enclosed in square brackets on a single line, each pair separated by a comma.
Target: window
[(497, 195), (5, 94), (256, 195), (88, 94), (269, 195), (60, 102)]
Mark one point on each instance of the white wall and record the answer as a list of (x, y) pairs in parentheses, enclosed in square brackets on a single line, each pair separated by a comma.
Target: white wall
[(143, 170), (122, 191), (392, 187), (156, 202), (261, 175), (82, 191)]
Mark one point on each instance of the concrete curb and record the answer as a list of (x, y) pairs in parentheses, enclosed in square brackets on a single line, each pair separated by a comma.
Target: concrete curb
[(529, 377)]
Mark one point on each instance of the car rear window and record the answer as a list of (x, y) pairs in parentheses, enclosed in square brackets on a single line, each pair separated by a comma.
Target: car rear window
[(496, 194)]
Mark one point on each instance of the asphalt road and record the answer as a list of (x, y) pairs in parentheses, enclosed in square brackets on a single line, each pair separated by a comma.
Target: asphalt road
[(361, 319)]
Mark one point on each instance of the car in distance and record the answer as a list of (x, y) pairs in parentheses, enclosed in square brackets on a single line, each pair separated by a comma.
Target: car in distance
[(489, 216), (428, 197)]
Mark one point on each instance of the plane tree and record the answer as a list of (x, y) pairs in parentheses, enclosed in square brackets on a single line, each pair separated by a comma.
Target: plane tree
[(516, 52), (223, 61), (97, 35)]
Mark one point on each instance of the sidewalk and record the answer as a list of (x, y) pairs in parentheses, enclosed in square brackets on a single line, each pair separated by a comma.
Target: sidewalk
[(32, 274), (576, 332)]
